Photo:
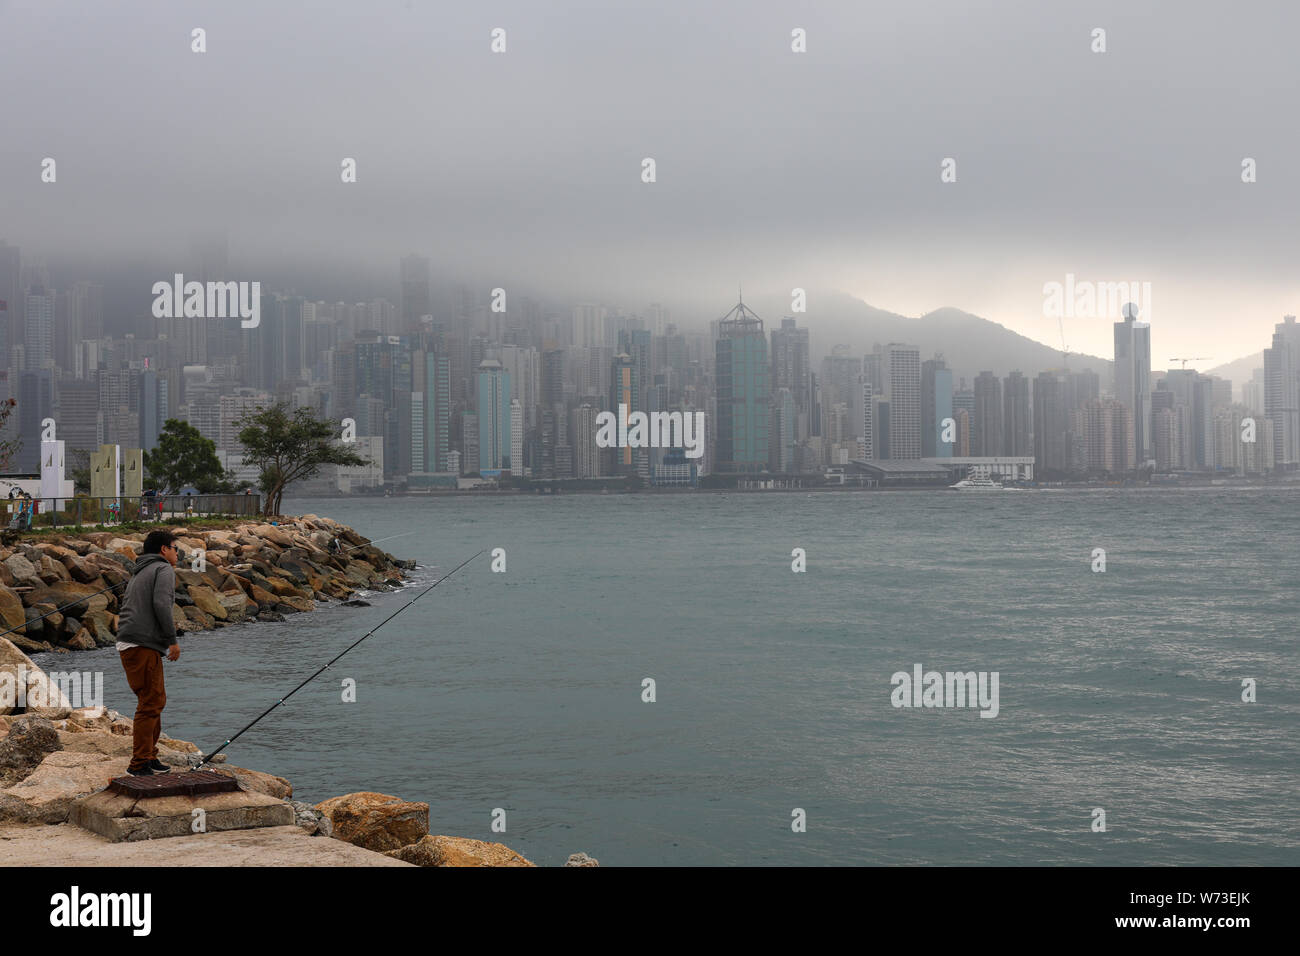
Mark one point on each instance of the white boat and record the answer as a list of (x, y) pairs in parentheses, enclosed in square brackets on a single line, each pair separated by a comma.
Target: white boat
[(977, 484)]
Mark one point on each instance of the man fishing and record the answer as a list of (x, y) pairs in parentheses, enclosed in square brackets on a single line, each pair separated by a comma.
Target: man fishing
[(146, 631)]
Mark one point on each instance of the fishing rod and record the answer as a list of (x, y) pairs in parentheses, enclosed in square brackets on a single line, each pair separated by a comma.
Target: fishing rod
[(279, 703)]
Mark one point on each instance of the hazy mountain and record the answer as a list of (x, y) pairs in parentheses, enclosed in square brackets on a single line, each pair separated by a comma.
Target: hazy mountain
[(969, 343), (1240, 371)]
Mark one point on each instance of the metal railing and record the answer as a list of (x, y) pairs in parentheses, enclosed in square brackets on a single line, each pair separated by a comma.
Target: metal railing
[(21, 514)]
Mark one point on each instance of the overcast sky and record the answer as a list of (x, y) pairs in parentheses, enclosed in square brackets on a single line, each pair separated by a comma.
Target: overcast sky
[(776, 169)]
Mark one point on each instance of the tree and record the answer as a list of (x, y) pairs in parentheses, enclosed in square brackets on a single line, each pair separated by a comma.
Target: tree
[(9, 446), (184, 458), (287, 448)]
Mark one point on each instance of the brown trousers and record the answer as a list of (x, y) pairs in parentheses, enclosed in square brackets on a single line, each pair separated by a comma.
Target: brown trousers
[(144, 674)]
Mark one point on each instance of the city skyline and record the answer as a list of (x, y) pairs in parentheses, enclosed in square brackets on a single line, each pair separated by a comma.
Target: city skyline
[(480, 389)]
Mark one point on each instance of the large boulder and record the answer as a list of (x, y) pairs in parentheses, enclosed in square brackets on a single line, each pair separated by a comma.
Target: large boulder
[(376, 821), (80, 569), (11, 610), (311, 819), (457, 851), (83, 640), (197, 620), (295, 602), (20, 679), (47, 793), (74, 598), (236, 606), (207, 601), (102, 627), (24, 572), (30, 740), (51, 571)]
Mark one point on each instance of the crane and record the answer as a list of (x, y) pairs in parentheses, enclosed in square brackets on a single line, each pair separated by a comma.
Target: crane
[(1065, 349), (1197, 358)]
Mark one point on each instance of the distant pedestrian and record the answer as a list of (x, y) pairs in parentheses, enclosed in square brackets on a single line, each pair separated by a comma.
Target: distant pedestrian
[(146, 631)]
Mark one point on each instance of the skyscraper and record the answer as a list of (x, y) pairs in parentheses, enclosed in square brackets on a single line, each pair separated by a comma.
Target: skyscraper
[(903, 393), (790, 369), (586, 453), (1015, 415), (1108, 436), (516, 463), (1051, 449), (11, 294), (38, 337), (624, 388), (1282, 391), (433, 385), (743, 394), (782, 431), (936, 405), (1133, 376), (494, 429), (986, 430)]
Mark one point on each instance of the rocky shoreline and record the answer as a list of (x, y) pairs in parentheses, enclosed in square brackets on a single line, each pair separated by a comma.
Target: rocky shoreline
[(63, 593), (54, 756)]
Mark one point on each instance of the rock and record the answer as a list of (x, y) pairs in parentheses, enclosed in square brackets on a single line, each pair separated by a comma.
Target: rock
[(196, 619), (44, 621), (581, 859), (311, 819), (11, 610), (189, 578), (376, 821), (52, 571), (75, 599), (295, 603), (80, 570), (262, 596), (16, 670), (275, 535), (24, 571), (47, 793), (255, 781), (206, 600), (30, 646), (357, 603), (282, 588), (102, 627), (124, 546), (457, 851), (83, 640), (236, 606), (270, 617), (30, 740)]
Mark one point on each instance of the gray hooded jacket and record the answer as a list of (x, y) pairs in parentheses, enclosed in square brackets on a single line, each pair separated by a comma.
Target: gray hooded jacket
[(146, 617)]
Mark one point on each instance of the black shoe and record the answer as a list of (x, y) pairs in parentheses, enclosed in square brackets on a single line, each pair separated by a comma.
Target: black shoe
[(157, 766), (141, 772)]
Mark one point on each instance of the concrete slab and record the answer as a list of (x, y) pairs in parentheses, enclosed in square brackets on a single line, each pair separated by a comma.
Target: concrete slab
[(66, 845), (121, 818)]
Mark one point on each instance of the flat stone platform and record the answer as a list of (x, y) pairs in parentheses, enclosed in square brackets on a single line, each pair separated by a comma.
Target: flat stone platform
[(176, 805), (66, 845)]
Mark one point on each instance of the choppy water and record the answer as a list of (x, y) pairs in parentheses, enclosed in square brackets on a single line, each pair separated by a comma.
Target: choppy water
[(522, 690)]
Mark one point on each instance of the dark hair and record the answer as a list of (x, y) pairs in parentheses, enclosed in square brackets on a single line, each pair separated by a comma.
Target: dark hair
[(155, 541)]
